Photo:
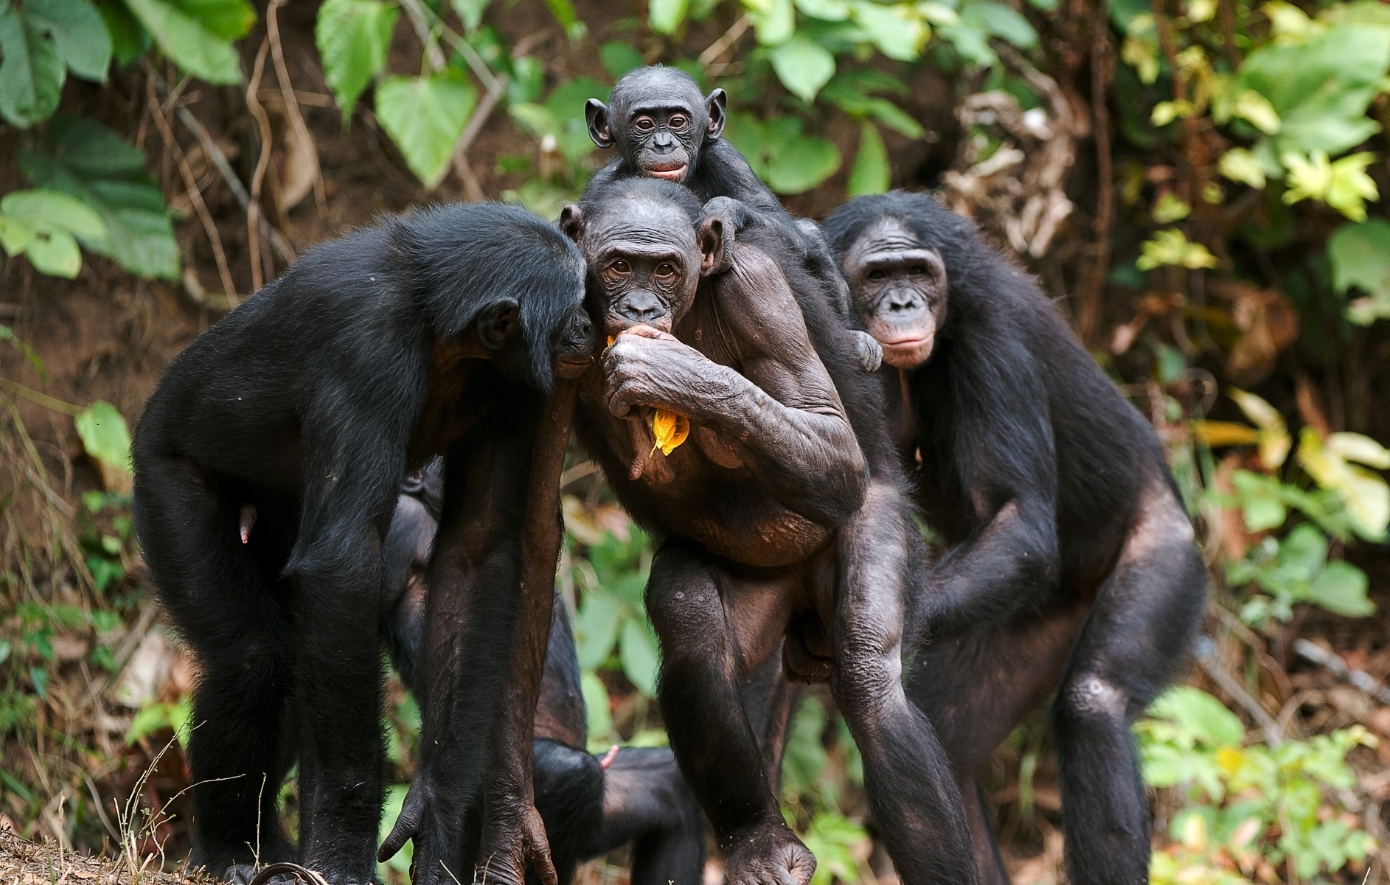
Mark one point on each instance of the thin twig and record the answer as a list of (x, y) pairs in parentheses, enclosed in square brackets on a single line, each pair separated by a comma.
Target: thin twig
[(433, 55), (1100, 129), (282, 73), (716, 49), (1210, 659), (254, 211), (195, 196)]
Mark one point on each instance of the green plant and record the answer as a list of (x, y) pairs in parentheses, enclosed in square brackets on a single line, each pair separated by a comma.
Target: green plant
[(1247, 806)]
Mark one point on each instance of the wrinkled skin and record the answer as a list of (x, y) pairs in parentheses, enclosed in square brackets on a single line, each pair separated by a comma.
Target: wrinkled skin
[(1071, 569), (782, 506)]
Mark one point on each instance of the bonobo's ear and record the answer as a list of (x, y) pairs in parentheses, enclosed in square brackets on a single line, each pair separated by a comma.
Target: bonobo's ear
[(496, 323), (596, 113), (714, 109), (572, 221), (715, 245)]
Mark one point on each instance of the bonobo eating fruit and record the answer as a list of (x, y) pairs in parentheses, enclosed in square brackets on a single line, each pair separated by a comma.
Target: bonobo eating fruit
[(267, 467), (664, 128), (1071, 564), (733, 422)]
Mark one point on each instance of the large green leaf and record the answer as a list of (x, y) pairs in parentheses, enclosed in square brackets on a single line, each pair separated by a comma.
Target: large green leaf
[(1359, 255), (1200, 713), (1001, 21), (31, 70), (53, 208), (228, 19), (79, 32), (773, 20), (871, 173), (803, 164), (596, 628), (105, 437), (470, 12), (192, 46), (895, 30), (93, 164), (803, 66), (425, 117), (1341, 589), (619, 58), (1321, 87), (129, 39), (666, 15), (637, 649), (353, 37)]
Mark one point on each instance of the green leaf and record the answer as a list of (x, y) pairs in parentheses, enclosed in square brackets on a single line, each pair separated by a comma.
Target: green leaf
[(1303, 552), (619, 58), (93, 164), (871, 173), (804, 164), (105, 436), (638, 651), (129, 39), (31, 70), (1341, 589), (470, 12), (597, 713), (353, 38), (228, 19), (803, 66), (1200, 713), (1001, 21), (596, 628), (773, 20), (1359, 255), (825, 10), (54, 251), (79, 32), (563, 11), (425, 117), (55, 209), (896, 34), (666, 15), (193, 47)]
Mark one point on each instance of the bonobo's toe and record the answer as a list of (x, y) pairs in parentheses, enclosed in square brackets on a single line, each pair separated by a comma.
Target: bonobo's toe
[(772, 856)]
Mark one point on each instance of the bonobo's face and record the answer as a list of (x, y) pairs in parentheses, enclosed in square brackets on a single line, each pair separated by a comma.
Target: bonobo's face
[(645, 259), (899, 289), (658, 120), (573, 349)]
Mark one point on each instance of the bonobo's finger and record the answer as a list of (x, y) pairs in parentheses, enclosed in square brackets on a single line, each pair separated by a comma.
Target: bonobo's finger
[(407, 824), (870, 352), (642, 330), (538, 850)]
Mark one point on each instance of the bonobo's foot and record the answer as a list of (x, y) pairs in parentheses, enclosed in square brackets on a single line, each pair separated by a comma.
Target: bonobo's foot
[(870, 351), (510, 843), (770, 855)]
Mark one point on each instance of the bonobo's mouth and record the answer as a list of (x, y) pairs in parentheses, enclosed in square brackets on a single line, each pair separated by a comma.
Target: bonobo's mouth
[(906, 351), (572, 365), (615, 327), (669, 173)]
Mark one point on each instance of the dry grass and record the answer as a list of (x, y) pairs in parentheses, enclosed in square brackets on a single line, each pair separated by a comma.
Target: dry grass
[(29, 863)]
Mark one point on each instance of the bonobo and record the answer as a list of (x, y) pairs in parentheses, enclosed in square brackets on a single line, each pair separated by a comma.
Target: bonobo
[(590, 805), (1072, 564), (664, 128), (267, 466), (774, 495)]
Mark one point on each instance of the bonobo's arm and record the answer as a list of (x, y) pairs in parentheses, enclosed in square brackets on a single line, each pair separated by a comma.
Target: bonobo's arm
[(782, 414), (1006, 460)]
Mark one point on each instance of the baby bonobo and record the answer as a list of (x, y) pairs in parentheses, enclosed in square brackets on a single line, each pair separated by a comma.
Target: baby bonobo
[(782, 503), (267, 466), (664, 128), (1072, 566)]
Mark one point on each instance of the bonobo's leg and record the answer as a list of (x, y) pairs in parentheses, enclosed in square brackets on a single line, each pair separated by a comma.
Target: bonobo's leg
[(1138, 631), (768, 699), (704, 652), (912, 793), (226, 609), (974, 689)]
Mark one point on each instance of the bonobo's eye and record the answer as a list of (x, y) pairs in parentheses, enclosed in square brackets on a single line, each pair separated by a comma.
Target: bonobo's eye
[(877, 276), (665, 271), (616, 270), (678, 122), (917, 270), (644, 124)]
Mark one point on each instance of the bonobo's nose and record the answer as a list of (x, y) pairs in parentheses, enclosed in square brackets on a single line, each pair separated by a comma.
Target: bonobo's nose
[(581, 333), (902, 299), (641, 307)]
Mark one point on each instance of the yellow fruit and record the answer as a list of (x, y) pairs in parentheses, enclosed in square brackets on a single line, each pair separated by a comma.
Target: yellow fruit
[(669, 430), (611, 339)]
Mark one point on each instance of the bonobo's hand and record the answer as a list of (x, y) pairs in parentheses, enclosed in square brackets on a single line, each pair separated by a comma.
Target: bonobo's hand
[(510, 842), (769, 854), (645, 367), (734, 216), (870, 351)]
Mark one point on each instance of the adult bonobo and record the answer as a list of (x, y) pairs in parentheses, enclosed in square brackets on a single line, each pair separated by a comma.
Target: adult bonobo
[(783, 504), (1071, 556), (267, 466), (664, 128), (590, 804)]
